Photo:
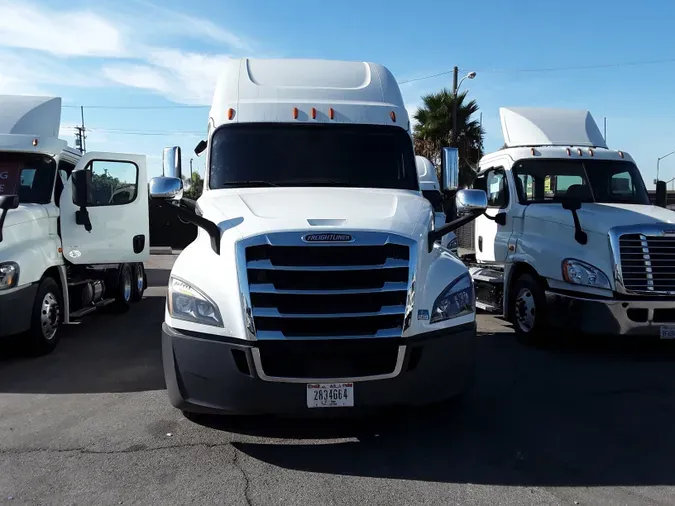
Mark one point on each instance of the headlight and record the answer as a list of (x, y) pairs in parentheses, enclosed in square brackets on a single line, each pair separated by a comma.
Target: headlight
[(456, 300), (581, 273), (189, 304), (9, 275)]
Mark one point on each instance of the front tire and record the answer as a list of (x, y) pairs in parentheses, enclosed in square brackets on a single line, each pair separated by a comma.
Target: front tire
[(528, 310), (43, 336)]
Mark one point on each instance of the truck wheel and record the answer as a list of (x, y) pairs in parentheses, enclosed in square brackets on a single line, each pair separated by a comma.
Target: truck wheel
[(528, 310), (125, 288), (47, 315), (139, 282)]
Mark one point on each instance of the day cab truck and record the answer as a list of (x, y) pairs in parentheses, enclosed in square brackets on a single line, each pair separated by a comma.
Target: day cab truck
[(74, 228), (570, 239), (315, 280)]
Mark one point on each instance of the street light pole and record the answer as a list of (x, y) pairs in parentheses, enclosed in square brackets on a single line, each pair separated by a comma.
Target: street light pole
[(658, 161), (455, 89), (455, 86)]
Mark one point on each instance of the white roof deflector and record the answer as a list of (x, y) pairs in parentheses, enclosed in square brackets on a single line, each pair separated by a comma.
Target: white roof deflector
[(529, 126), (27, 115)]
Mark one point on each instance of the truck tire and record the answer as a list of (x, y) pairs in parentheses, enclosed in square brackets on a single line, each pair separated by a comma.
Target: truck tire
[(47, 316), (139, 282), (124, 288), (528, 310)]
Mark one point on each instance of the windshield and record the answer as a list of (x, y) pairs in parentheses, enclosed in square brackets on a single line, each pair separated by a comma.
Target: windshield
[(603, 181), (28, 175), (312, 155)]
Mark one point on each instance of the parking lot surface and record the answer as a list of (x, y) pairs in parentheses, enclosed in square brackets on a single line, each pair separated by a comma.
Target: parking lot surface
[(583, 421)]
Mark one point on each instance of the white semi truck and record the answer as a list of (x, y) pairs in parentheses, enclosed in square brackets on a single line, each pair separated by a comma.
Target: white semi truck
[(74, 228), (570, 239), (315, 280)]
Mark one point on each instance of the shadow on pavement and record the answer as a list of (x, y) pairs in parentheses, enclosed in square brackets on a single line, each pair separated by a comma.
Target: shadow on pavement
[(571, 417), (104, 353)]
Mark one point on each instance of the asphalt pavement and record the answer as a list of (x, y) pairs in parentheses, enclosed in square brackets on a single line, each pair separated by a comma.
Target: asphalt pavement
[(583, 421)]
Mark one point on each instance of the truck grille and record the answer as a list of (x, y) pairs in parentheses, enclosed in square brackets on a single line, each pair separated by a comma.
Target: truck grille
[(647, 263), (327, 291)]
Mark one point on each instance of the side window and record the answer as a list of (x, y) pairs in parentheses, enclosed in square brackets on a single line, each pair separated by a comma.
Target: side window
[(62, 175), (622, 185), (114, 183), (497, 189), (526, 186)]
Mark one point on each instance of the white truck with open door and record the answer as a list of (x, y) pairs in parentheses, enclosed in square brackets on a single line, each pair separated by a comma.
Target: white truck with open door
[(74, 228), (570, 239)]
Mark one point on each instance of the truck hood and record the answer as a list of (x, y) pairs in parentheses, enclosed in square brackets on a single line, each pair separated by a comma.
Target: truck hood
[(602, 217), (259, 210), (24, 213)]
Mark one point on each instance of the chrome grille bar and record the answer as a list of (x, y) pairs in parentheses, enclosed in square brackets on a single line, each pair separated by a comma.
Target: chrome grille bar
[(308, 291)]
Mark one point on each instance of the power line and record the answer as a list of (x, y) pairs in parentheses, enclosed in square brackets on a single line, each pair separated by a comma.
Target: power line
[(140, 132), (594, 66), (547, 69)]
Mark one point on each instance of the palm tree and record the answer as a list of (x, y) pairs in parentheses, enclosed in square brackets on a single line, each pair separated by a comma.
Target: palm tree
[(434, 131)]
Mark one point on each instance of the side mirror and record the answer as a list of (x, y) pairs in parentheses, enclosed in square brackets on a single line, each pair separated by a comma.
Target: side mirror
[(172, 163), (200, 147), (661, 194), (571, 204), (470, 202), (81, 180), (8, 202), (450, 169), (165, 188)]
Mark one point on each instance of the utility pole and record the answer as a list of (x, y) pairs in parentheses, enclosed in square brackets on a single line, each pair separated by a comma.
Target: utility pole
[(84, 137), (455, 72), (80, 135), (190, 170)]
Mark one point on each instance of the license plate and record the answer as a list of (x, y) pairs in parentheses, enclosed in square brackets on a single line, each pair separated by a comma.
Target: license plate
[(668, 332), (330, 395)]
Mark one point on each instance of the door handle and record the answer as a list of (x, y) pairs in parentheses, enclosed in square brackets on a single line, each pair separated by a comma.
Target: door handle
[(480, 243), (139, 243)]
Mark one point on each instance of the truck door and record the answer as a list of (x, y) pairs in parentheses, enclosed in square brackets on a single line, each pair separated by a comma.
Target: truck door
[(491, 239), (117, 211)]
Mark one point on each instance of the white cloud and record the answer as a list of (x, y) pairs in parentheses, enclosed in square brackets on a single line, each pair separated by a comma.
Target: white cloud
[(182, 77), (64, 33), (133, 45), (30, 73)]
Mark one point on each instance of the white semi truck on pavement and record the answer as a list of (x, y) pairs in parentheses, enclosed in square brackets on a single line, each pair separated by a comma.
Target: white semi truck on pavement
[(570, 239), (315, 280), (74, 228)]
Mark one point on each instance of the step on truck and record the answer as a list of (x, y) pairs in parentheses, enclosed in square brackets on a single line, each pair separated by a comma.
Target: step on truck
[(315, 280), (570, 239), (74, 228)]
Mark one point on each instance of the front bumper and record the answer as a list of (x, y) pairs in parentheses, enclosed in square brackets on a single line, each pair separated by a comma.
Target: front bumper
[(208, 374), (16, 308), (609, 316)]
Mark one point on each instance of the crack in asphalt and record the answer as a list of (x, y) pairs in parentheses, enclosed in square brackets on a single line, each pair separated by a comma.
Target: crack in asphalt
[(132, 449), (247, 481)]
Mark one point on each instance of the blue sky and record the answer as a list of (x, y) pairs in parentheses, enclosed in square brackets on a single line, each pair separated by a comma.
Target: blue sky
[(137, 53)]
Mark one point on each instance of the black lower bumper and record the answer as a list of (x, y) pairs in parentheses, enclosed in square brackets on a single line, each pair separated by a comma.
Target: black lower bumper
[(208, 374), (609, 316), (16, 309)]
